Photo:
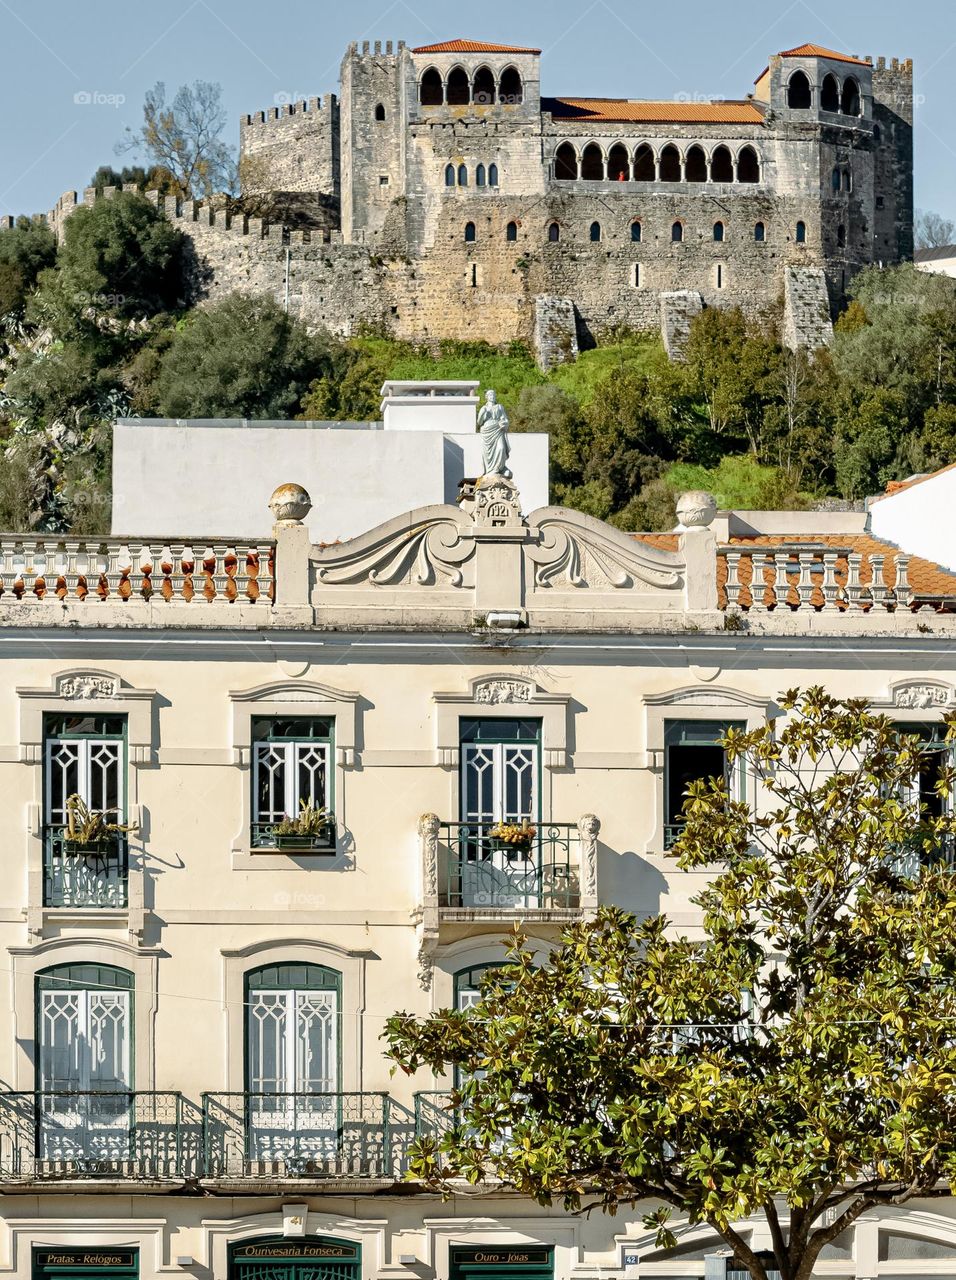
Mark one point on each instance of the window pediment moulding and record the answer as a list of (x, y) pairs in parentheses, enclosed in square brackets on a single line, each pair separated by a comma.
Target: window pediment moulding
[(503, 695), (104, 692), (295, 697), (919, 696)]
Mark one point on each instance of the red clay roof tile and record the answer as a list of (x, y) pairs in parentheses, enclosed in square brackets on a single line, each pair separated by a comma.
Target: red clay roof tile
[(471, 46), (634, 111)]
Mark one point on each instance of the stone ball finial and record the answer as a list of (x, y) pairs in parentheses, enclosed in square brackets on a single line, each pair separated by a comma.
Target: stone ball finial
[(290, 504), (696, 509)]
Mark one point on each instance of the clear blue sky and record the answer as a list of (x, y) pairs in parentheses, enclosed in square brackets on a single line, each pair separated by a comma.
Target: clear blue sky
[(258, 49)]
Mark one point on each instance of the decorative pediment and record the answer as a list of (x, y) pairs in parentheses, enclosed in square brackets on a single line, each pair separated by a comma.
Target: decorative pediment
[(423, 549), (87, 685), (294, 691), (575, 550), (711, 696), (922, 695), (503, 689)]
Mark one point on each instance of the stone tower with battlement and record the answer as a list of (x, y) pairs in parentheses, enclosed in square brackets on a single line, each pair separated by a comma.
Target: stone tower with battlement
[(441, 196)]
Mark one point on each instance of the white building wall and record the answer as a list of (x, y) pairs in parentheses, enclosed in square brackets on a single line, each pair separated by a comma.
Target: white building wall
[(919, 518)]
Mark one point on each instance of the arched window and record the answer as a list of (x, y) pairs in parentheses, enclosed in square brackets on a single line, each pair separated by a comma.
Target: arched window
[(799, 93), (847, 180), (458, 90), (566, 163), (670, 164), (480, 176), (636, 232), (84, 1020), (841, 236), (760, 232), (719, 232), (645, 169), (449, 175), (554, 233), (511, 235), (835, 179), (677, 232), (470, 233), (695, 165), (830, 93), (801, 236), (431, 91), (292, 1044), (877, 134), (380, 111), (492, 175), (721, 165), (618, 164), (592, 163), (463, 175), (510, 88), (748, 166), (850, 102), (483, 87), (595, 232)]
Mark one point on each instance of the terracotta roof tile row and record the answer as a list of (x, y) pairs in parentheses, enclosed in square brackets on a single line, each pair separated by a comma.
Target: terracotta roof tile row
[(818, 51), (633, 111), (471, 46)]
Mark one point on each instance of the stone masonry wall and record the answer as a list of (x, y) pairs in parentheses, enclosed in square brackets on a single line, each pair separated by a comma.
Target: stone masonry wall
[(296, 145)]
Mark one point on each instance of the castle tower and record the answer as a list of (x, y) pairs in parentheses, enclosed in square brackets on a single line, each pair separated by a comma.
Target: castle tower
[(893, 159), (373, 128)]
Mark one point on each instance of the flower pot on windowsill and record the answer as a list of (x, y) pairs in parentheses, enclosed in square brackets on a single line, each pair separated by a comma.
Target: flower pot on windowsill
[(295, 843), (104, 847)]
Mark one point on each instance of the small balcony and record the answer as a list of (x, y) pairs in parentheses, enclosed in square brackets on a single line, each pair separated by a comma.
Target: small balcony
[(320, 844), (117, 1135), (85, 876), (255, 1137), (469, 873)]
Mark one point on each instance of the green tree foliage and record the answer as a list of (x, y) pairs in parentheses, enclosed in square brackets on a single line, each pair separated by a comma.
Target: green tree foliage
[(243, 357), (795, 1059), (155, 178), (26, 249), (182, 140)]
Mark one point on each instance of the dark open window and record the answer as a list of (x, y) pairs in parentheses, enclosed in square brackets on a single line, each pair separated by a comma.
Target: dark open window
[(670, 164), (719, 232), (566, 163), (722, 165), (760, 232), (592, 163), (595, 232), (480, 176), (695, 166), (618, 164), (554, 233), (841, 236), (835, 179), (431, 92), (692, 753), (850, 97), (449, 175), (830, 94), (636, 232), (380, 112), (801, 233), (748, 166), (463, 175), (645, 169), (677, 232), (510, 89), (458, 93), (470, 234), (492, 175), (483, 87), (512, 232), (799, 94)]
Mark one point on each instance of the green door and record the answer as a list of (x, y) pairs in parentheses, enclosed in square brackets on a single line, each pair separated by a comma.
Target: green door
[(317, 1258), (507, 1262), (85, 1264)]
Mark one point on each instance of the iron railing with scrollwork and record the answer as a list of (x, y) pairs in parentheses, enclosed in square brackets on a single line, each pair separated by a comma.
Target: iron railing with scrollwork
[(113, 1134), (479, 871), (304, 1135), (74, 876), (322, 842)]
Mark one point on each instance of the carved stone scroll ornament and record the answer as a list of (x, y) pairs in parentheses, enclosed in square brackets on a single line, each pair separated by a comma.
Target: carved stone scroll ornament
[(86, 686), (501, 691), (420, 556), (428, 826), (425, 967), (578, 552), (921, 697), (589, 827)]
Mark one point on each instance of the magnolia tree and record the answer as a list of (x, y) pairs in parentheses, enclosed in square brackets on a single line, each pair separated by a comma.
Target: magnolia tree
[(795, 1059)]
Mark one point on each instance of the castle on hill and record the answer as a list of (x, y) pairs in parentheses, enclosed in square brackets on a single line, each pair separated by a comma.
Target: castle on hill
[(439, 195)]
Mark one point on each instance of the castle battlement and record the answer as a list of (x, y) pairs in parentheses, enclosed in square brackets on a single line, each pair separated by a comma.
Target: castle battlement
[(307, 106), (375, 50)]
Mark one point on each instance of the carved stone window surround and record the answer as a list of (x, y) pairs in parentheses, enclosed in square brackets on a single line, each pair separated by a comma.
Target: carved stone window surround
[(505, 696), (106, 693)]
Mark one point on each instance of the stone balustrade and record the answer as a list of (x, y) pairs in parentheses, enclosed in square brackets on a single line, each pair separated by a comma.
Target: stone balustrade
[(820, 578), (114, 570)]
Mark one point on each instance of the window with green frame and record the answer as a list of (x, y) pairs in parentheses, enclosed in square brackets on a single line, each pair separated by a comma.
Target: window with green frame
[(84, 755), (292, 1031), (936, 757), (692, 753), (84, 1028), (291, 769)]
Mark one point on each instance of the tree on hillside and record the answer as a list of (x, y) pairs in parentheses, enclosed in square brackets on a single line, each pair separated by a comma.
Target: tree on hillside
[(243, 357), (154, 178), (933, 231), (795, 1060), (183, 139), (26, 249)]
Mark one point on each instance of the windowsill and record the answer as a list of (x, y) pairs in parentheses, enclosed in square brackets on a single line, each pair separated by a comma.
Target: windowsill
[(93, 915), (285, 859)]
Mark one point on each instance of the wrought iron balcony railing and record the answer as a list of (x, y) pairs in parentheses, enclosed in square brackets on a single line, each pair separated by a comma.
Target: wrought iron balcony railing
[(435, 1116), (466, 866), (322, 843), (74, 875), (117, 1134), (913, 857), (304, 1135)]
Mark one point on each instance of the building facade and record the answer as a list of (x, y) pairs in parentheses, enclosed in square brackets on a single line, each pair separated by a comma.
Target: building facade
[(440, 195), (192, 1073)]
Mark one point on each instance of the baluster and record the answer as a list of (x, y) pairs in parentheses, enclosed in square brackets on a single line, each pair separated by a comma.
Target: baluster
[(902, 590), (208, 573), (219, 577), (146, 563), (188, 562), (266, 574), (877, 585), (229, 572), (763, 593), (806, 564), (854, 588), (71, 550), (830, 588), (732, 586)]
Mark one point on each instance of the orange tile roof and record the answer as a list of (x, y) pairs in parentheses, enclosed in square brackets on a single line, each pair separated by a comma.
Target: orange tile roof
[(471, 46), (818, 51), (897, 486), (630, 110)]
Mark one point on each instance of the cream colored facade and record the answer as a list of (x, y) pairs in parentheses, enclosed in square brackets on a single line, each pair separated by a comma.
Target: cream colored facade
[(396, 645)]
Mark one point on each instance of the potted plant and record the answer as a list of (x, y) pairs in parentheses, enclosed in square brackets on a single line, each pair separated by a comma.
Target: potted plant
[(514, 838), (307, 831), (89, 833)]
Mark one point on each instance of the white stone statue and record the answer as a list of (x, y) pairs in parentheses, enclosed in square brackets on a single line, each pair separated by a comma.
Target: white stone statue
[(493, 425)]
